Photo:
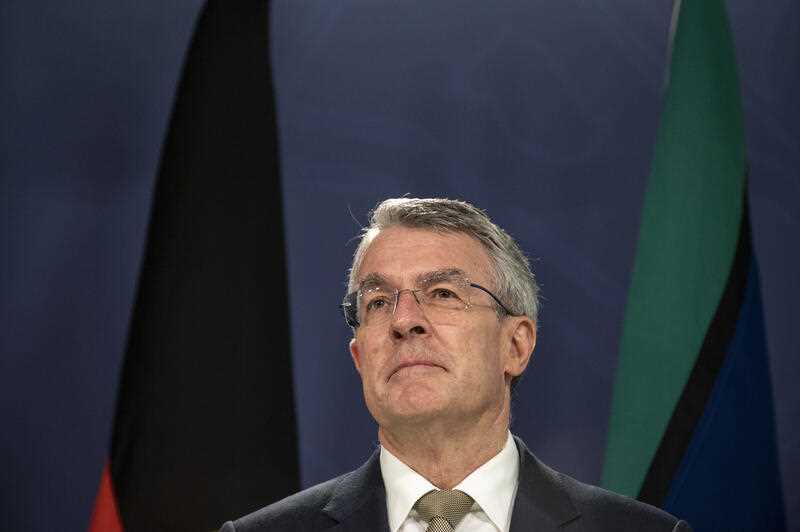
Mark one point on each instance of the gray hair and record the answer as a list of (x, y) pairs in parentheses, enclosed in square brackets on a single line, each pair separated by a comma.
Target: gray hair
[(515, 283)]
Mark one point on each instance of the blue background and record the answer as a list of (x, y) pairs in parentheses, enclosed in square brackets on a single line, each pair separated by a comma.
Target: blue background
[(544, 113)]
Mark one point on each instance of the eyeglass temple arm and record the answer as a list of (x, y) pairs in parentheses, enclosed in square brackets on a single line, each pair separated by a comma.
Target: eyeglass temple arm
[(502, 306), (349, 315)]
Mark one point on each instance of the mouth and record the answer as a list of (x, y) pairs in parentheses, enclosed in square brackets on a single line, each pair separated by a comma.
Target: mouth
[(422, 365)]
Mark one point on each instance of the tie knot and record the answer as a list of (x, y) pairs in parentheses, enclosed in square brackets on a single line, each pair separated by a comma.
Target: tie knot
[(452, 505)]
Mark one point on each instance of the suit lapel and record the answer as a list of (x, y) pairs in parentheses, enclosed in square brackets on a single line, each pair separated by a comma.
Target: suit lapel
[(541, 504), (358, 502)]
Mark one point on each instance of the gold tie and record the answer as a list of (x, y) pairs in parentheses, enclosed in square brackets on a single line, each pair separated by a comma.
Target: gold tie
[(443, 509)]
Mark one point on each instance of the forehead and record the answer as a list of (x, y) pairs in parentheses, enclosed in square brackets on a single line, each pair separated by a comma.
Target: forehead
[(401, 254)]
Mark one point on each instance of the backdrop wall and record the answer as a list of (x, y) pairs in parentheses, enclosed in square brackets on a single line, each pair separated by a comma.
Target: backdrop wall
[(543, 114)]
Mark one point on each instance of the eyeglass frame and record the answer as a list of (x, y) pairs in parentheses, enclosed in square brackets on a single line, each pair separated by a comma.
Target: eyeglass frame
[(350, 301)]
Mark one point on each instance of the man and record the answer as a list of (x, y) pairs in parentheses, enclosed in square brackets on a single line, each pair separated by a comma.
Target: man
[(443, 307)]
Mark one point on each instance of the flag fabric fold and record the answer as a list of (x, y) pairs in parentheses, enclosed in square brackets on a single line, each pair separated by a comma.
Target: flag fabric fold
[(204, 429), (692, 423)]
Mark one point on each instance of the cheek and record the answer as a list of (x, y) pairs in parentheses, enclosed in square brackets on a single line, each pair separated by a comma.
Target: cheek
[(483, 355), (372, 360)]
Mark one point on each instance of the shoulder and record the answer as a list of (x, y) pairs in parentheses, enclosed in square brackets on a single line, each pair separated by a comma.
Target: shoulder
[(301, 511), (607, 510), (319, 507), (563, 500)]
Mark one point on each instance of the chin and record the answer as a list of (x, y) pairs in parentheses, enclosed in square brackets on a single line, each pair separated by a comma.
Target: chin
[(413, 406)]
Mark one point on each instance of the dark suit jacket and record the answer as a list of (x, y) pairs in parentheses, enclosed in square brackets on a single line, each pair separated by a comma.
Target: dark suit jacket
[(546, 501)]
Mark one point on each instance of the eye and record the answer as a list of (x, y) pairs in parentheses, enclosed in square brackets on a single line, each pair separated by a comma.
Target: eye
[(443, 293), (377, 303)]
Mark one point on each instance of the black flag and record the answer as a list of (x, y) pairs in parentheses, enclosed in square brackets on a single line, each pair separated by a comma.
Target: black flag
[(205, 424)]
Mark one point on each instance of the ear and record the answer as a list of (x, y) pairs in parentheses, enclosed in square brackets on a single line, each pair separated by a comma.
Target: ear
[(520, 349), (355, 354)]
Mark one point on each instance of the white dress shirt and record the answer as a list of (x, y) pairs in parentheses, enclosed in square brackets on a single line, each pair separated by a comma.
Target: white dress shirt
[(493, 486)]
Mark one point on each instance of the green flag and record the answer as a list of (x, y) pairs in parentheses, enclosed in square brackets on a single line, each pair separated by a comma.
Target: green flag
[(689, 229)]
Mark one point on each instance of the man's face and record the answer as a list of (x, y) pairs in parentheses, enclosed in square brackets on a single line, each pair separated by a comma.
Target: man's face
[(416, 365)]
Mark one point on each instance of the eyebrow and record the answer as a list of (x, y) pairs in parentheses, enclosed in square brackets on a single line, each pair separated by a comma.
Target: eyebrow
[(375, 280), (439, 275), (372, 280)]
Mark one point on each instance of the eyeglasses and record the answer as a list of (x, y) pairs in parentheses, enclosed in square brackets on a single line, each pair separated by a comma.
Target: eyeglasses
[(439, 297)]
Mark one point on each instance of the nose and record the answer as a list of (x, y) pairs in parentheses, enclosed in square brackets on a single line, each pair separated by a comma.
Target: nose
[(408, 318)]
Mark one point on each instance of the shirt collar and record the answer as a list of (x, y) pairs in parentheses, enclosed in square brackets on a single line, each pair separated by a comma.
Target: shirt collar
[(493, 486), (403, 487)]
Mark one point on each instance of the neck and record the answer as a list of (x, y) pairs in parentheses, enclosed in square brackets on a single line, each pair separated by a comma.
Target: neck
[(446, 452)]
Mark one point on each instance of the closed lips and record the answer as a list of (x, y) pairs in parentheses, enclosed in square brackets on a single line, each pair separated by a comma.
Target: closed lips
[(413, 364)]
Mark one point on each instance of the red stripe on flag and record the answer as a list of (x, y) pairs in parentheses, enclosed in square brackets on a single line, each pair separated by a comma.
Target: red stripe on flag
[(105, 517)]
